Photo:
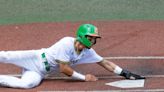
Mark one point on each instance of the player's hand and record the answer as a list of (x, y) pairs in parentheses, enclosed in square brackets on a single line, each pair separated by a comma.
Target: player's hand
[(129, 75), (89, 77)]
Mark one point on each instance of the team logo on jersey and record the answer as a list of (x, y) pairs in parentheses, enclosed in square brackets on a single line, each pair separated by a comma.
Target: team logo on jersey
[(74, 61)]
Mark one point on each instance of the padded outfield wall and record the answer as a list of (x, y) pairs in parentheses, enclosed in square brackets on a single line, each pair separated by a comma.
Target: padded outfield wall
[(29, 11)]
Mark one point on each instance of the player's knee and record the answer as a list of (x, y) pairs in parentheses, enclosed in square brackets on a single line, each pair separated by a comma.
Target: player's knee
[(31, 79), (28, 85)]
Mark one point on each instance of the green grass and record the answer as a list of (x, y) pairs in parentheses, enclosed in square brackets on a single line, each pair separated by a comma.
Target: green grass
[(27, 11)]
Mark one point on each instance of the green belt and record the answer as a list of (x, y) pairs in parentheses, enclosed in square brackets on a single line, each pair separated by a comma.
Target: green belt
[(47, 66)]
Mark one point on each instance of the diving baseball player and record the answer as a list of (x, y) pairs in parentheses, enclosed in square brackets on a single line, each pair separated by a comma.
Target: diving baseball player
[(68, 51)]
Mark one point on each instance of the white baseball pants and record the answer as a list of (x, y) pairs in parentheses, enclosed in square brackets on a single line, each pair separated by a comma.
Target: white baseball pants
[(30, 61)]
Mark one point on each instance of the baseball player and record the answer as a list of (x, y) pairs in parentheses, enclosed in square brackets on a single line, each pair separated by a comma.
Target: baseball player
[(67, 52)]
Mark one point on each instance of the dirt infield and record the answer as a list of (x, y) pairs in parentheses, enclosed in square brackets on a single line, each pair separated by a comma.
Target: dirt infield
[(120, 38)]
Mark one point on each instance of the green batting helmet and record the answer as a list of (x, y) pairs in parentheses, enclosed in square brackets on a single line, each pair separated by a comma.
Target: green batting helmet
[(84, 31)]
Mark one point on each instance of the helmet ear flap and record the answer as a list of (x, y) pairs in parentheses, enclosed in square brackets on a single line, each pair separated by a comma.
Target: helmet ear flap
[(84, 41)]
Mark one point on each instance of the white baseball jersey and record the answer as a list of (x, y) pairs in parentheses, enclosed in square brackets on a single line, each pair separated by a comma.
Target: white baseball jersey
[(32, 62), (64, 50)]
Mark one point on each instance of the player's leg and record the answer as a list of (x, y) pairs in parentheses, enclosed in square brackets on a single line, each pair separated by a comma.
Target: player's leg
[(13, 56), (27, 59), (29, 79)]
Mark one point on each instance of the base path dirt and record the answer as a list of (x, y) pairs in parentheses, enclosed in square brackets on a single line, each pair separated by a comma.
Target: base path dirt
[(119, 38)]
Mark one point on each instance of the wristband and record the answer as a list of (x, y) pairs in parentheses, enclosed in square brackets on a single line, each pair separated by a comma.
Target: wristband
[(117, 70), (78, 76)]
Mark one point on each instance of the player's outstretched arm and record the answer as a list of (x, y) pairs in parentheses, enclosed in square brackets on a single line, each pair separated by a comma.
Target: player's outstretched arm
[(66, 69), (110, 66)]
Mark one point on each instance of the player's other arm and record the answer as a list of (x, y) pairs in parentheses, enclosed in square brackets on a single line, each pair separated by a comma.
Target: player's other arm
[(110, 66), (67, 70)]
